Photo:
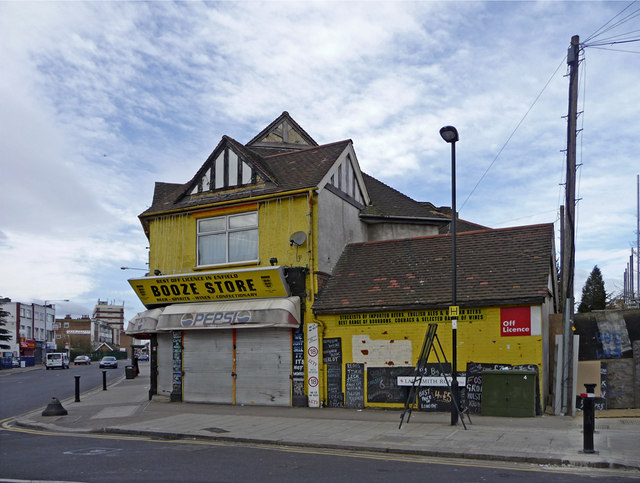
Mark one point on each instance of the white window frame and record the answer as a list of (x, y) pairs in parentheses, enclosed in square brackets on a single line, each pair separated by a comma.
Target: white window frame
[(201, 233)]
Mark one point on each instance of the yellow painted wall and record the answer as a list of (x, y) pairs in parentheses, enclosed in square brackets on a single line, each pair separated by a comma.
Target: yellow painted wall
[(392, 339), (173, 247)]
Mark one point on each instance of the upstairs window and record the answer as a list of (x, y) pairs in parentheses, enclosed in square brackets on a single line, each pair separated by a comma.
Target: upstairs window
[(228, 239)]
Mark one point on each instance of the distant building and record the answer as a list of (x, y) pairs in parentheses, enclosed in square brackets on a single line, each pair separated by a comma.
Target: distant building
[(74, 334), (87, 333), (32, 328), (108, 322)]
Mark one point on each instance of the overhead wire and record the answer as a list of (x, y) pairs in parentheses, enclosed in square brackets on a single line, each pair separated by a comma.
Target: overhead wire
[(616, 50), (513, 132), (606, 27)]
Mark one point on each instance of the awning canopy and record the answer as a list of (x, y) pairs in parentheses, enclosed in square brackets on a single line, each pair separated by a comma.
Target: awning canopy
[(240, 314), (144, 322)]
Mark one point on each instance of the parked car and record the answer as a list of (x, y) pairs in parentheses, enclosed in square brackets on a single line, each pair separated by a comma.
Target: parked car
[(82, 360), (143, 357), (109, 361), (56, 359)]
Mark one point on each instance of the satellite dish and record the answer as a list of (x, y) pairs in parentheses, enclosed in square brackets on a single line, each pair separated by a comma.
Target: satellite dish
[(298, 238)]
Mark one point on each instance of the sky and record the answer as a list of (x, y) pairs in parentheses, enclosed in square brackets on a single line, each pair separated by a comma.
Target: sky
[(99, 100)]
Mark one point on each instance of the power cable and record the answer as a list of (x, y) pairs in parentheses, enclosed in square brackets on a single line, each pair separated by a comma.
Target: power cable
[(616, 50), (512, 133), (605, 29)]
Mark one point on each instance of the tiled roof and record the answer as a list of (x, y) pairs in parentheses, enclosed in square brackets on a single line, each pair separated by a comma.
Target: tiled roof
[(388, 202), (494, 267), (305, 168)]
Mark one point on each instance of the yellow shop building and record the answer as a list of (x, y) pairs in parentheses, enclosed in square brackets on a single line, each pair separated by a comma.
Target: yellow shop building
[(281, 274)]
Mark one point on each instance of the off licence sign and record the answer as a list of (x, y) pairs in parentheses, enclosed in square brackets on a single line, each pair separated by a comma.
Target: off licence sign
[(515, 321)]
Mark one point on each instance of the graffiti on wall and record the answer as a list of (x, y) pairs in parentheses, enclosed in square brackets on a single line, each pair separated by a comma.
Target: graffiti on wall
[(612, 335)]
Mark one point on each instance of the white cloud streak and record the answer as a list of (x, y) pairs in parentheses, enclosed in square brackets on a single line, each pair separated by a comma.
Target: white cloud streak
[(100, 100)]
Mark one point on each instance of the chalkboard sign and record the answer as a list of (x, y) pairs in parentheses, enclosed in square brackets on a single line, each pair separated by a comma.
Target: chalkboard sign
[(335, 397), (438, 398), (176, 393), (354, 386), (434, 398), (382, 384), (332, 351), (534, 368), (602, 405), (474, 383), (297, 373)]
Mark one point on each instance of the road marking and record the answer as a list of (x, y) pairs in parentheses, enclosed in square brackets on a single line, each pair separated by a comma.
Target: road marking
[(6, 425)]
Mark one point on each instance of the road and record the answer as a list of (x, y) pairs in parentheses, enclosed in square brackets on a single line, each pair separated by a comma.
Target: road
[(30, 455), (24, 390)]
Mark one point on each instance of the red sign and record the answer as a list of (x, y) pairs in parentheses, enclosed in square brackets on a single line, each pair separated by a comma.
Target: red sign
[(27, 343), (515, 321)]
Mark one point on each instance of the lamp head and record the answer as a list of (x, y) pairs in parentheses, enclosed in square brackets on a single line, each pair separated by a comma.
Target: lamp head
[(449, 134)]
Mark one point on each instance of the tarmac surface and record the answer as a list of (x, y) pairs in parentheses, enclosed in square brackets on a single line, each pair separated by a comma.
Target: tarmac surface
[(125, 408)]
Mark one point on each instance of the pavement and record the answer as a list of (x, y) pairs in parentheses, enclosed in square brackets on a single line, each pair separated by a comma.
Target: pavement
[(125, 408)]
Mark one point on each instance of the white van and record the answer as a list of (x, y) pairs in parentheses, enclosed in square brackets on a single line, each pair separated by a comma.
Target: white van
[(56, 359)]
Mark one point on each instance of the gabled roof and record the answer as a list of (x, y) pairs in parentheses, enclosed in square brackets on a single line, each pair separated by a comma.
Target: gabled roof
[(282, 135), (494, 267), (251, 158)]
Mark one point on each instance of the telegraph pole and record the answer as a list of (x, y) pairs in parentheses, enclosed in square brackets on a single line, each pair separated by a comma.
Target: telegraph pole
[(568, 257)]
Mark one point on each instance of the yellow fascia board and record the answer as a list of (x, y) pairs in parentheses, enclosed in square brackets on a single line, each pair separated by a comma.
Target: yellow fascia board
[(187, 209)]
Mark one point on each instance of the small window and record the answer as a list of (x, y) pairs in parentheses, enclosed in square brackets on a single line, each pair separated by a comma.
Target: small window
[(66, 325), (228, 239)]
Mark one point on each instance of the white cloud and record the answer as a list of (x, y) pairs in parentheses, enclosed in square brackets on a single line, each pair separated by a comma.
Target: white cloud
[(100, 100)]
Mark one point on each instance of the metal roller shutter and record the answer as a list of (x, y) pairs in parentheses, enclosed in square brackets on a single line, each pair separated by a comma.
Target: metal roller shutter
[(165, 364), (263, 365), (207, 365)]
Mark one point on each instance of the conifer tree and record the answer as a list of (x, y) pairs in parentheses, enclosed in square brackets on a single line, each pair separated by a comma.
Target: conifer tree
[(4, 333), (594, 296)]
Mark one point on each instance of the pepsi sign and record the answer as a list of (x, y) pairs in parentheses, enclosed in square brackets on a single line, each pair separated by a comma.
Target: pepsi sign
[(210, 319)]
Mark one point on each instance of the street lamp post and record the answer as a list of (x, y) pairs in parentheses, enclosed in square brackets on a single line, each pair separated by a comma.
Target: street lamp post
[(47, 303), (450, 135)]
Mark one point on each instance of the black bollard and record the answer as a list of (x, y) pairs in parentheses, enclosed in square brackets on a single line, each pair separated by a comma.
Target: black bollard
[(455, 400), (77, 388), (54, 408), (588, 418), (104, 380)]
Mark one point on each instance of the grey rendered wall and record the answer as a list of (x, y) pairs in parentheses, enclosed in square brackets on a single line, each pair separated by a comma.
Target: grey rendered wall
[(394, 231), (338, 225)]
